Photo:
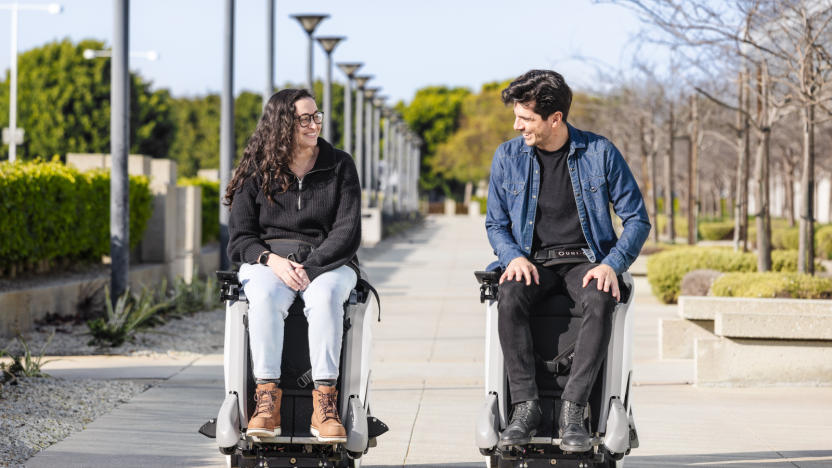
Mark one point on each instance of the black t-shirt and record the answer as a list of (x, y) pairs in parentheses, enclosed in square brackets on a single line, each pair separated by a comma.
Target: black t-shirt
[(556, 221)]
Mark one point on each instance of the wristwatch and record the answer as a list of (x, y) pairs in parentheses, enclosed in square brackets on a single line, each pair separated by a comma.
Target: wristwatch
[(263, 259)]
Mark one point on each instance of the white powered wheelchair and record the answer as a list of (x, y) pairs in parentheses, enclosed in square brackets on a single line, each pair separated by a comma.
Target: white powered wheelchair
[(555, 326), (296, 446)]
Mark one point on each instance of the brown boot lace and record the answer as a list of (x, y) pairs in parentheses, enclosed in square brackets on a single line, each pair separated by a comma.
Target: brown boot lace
[(327, 405), (265, 401)]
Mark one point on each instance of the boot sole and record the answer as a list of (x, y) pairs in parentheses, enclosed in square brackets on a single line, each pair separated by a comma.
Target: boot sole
[(259, 432), (333, 440), (576, 448), (524, 441)]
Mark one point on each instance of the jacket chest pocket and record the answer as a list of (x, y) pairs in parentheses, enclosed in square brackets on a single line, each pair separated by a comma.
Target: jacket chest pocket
[(595, 193), (514, 189)]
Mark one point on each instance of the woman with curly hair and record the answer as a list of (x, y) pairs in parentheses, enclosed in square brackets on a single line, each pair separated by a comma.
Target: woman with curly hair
[(295, 228)]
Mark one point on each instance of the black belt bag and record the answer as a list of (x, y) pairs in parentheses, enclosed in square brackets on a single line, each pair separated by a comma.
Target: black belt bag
[(292, 249), (560, 255)]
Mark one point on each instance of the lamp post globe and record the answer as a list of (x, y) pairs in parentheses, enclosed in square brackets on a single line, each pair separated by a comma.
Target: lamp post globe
[(309, 22)]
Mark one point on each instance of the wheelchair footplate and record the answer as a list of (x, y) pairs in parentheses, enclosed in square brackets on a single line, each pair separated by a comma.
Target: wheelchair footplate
[(289, 451), (544, 452)]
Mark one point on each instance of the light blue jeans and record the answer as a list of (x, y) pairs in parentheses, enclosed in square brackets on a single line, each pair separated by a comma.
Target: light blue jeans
[(269, 301)]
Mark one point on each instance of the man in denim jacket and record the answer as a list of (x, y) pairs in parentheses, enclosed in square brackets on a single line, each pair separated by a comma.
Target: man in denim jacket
[(549, 223)]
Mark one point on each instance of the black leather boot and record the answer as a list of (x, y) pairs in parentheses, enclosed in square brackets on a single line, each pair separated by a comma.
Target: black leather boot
[(525, 418), (573, 435)]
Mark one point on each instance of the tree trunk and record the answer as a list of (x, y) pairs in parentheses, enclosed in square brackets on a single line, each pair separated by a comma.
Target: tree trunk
[(693, 171), (789, 176), (469, 190), (654, 187), (806, 249), (761, 173), (668, 181), (741, 210)]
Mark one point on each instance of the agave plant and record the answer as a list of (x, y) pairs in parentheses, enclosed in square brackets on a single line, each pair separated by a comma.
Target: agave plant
[(25, 364), (128, 315)]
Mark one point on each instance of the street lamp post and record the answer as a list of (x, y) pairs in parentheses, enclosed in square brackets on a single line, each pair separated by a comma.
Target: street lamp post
[(369, 93), (378, 103), (269, 89), (361, 83), (349, 69), (309, 23), (14, 137), (387, 151), (401, 158), (328, 44), (119, 150), (226, 126)]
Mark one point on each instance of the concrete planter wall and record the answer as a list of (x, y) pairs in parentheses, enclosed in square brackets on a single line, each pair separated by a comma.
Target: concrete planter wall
[(750, 341)]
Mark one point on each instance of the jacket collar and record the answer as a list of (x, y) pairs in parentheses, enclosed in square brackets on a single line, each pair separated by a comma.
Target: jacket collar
[(576, 140), (326, 156)]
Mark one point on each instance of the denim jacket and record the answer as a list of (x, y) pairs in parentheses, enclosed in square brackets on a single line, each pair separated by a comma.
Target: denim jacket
[(599, 175)]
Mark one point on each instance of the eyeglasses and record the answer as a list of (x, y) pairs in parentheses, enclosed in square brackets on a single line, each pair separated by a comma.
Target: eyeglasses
[(305, 119)]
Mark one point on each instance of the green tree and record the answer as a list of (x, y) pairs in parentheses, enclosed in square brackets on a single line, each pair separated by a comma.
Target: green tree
[(197, 142), (484, 124), (434, 115), (64, 104)]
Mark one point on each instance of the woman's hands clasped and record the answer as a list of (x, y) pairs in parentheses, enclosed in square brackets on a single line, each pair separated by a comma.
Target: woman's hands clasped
[(291, 273)]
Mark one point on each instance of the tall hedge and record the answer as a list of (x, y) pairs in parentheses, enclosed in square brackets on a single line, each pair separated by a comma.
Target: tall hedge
[(49, 211), (210, 206)]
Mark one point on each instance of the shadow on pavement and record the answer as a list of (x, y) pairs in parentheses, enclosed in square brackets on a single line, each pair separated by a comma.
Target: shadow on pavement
[(773, 459)]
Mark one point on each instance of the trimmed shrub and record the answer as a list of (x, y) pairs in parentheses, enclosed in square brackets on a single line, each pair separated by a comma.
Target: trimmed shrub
[(716, 230), (786, 261), (823, 242), (785, 238), (665, 270), (793, 285), (210, 206), (50, 212)]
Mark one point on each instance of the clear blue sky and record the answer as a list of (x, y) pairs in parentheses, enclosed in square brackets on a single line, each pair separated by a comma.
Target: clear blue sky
[(405, 44)]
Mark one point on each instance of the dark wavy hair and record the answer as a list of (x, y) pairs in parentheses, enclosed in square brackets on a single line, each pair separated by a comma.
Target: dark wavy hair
[(546, 88), (270, 148)]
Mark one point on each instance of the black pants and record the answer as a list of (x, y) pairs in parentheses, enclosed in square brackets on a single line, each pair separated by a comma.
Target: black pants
[(516, 301)]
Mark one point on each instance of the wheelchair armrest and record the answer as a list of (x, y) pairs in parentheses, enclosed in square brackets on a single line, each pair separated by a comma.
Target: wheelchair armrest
[(489, 282), (229, 285), (487, 277)]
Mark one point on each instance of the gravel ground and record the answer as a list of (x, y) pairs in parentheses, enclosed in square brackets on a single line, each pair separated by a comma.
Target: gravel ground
[(39, 412)]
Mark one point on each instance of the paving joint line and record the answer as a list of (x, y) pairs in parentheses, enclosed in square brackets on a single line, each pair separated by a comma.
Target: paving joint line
[(413, 427)]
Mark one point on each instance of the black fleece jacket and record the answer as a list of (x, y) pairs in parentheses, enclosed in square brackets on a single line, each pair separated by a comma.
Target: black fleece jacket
[(323, 209)]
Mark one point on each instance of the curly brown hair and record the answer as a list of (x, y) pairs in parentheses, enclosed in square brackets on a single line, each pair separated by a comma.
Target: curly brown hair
[(270, 148)]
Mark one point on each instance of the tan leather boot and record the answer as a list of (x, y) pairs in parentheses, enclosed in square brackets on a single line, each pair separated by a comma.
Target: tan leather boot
[(266, 419), (326, 424)]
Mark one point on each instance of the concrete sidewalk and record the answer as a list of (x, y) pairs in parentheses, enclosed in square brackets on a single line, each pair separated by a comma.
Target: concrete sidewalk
[(428, 383)]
